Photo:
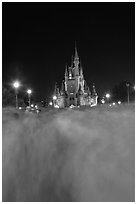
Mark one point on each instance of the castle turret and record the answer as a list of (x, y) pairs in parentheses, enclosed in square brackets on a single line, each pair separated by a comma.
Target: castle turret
[(66, 72), (76, 58), (62, 88), (76, 63)]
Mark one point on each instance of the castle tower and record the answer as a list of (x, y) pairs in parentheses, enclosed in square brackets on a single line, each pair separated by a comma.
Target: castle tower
[(74, 90), (76, 62)]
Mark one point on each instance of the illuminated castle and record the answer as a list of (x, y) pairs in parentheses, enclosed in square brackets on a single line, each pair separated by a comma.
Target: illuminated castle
[(74, 91)]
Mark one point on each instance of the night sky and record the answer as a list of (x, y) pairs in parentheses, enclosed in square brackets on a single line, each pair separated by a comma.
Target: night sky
[(38, 40)]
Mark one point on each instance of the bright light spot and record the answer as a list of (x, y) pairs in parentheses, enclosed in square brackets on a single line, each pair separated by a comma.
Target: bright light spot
[(50, 103), (107, 95), (32, 105), (103, 101), (54, 97), (36, 106), (20, 108), (114, 103), (119, 102), (56, 106), (16, 84), (72, 106), (110, 105), (29, 91)]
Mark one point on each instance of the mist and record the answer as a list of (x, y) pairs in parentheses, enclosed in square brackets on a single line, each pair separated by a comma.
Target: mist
[(70, 155)]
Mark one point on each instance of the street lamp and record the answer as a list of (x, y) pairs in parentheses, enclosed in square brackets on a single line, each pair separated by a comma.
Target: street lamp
[(29, 93), (16, 85), (107, 96), (119, 102), (127, 84), (54, 97)]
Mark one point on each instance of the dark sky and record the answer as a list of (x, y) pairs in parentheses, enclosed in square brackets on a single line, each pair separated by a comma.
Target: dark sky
[(38, 40)]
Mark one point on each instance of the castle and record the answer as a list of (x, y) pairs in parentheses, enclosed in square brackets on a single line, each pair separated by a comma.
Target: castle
[(74, 91)]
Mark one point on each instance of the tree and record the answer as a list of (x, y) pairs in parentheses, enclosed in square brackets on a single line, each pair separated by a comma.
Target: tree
[(119, 92), (8, 97)]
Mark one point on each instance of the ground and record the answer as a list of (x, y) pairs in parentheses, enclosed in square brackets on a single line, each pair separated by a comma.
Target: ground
[(69, 155)]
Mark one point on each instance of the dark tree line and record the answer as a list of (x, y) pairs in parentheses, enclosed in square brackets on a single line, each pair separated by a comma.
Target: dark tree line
[(120, 92), (8, 97)]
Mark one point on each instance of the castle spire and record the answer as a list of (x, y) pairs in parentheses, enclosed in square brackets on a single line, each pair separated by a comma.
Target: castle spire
[(76, 52), (55, 89), (76, 58), (66, 72), (62, 88), (81, 69)]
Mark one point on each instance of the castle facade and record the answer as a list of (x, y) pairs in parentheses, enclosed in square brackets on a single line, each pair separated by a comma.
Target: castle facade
[(74, 91)]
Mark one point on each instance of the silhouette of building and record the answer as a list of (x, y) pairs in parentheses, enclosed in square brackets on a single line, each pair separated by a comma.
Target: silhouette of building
[(74, 90)]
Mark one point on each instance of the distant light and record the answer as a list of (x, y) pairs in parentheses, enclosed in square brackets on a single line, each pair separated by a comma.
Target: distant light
[(113, 104), (103, 101), (72, 106), (20, 108), (107, 95), (16, 84), (50, 103), (54, 97), (29, 91), (119, 102), (36, 106), (32, 105), (110, 105), (56, 106)]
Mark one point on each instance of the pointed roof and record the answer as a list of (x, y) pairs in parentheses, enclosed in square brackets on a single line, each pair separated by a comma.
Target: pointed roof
[(66, 71), (76, 52), (62, 86)]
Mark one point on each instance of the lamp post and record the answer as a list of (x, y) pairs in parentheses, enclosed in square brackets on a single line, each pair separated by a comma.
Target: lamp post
[(107, 96), (127, 84), (29, 94), (16, 85)]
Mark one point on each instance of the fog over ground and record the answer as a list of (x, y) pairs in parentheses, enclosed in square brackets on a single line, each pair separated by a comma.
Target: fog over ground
[(69, 155)]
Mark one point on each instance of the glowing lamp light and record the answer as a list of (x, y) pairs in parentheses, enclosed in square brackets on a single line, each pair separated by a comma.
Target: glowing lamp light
[(54, 97), (114, 103), (107, 95), (16, 84), (103, 101), (50, 103), (29, 91), (32, 105), (119, 102)]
